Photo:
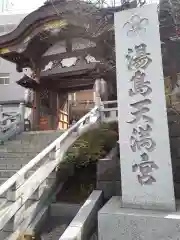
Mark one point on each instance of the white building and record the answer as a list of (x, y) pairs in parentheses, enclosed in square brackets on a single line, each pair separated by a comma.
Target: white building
[(11, 94)]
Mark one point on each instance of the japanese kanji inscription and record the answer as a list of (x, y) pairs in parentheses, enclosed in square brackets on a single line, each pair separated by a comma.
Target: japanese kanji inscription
[(140, 139), (146, 171)]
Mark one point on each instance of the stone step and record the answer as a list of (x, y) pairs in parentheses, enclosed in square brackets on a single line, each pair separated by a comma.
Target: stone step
[(54, 227), (43, 135), (9, 155), (16, 153), (27, 139), (15, 164), (7, 173), (31, 140), (23, 149), (48, 132), (24, 141), (17, 156), (21, 154), (2, 180)]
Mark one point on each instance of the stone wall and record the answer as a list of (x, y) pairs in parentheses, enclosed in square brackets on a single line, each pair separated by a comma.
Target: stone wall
[(108, 169), (174, 133), (108, 174)]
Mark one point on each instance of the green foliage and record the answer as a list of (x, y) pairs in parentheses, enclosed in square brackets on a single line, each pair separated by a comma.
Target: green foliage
[(93, 145)]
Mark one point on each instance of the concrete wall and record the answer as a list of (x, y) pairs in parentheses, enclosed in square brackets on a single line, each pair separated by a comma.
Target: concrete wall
[(174, 133), (108, 176)]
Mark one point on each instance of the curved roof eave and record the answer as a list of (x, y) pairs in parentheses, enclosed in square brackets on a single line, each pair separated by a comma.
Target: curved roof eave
[(49, 11)]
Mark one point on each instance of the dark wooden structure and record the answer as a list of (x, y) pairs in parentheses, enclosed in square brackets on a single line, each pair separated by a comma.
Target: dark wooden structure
[(169, 17), (52, 74)]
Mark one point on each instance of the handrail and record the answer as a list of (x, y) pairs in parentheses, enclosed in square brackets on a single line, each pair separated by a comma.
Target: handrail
[(19, 188), (11, 181), (15, 126), (109, 102), (8, 117), (12, 118)]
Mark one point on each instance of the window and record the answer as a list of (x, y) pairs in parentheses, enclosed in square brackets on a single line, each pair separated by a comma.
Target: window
[(4, 79), (4, 29)]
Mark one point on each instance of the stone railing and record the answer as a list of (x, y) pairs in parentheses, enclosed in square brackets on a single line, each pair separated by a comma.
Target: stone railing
[(109, 111), (11, 124), (35, 178), (28, 96)]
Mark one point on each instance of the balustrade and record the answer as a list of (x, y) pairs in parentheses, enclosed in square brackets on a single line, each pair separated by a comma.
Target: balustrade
[(109, 111), (22, 193), (11, 124)]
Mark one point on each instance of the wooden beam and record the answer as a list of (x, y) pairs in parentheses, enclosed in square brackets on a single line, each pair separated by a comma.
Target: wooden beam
[(94, 51), (69, 71), (68, 45), (76, 89), (67, 84)]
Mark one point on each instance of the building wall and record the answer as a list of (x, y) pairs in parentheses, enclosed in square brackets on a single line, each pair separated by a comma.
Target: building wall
[(12, 92), (80, 103), (86, 95), (5, 5), (78, 98)]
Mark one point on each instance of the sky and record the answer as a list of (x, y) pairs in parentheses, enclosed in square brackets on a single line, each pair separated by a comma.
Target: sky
[(23, 5), (28, 6)]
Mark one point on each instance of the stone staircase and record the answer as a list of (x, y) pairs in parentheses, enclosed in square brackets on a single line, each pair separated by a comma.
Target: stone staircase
[(56, 221), (68, 221), (28, 174), (54, 227), (17, 152)]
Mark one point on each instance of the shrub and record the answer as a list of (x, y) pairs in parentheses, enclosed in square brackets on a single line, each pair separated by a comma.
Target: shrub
[(93, 145)]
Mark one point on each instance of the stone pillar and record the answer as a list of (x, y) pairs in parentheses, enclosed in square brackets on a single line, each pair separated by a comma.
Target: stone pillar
[(147, 209), (97, 87), (22, 113), (1, 112), (101, 91)]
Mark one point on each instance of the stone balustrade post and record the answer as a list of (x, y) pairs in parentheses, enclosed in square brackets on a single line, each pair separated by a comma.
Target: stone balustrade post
[(12, 196), (22, 113), (1, 112)]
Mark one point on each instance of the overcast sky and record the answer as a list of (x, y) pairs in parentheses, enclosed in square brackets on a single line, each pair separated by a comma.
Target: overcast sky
[(21, 5), (24, 5)]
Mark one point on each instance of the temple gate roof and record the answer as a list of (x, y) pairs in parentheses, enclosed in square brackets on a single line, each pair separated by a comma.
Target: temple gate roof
[(65, 21)]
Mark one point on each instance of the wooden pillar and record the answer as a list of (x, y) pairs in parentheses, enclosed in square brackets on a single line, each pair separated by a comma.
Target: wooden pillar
[(36, 111), (36, 105), (62, 112), (53, 108)]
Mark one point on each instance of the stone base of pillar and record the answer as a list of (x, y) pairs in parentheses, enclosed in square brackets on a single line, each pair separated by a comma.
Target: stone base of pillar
[(116, 222)]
